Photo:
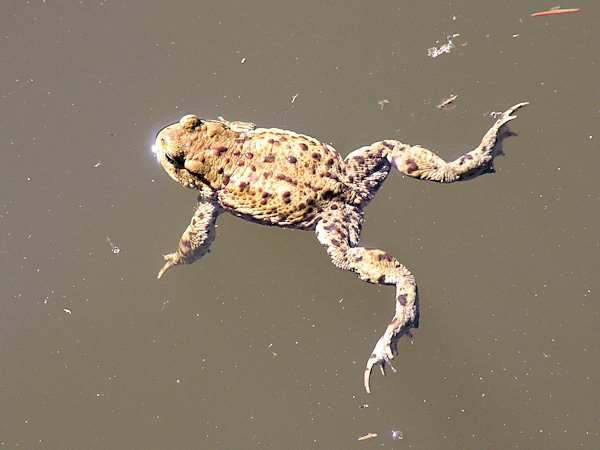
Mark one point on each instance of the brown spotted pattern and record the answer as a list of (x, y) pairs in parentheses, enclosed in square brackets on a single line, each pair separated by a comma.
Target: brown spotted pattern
[(278, 177)]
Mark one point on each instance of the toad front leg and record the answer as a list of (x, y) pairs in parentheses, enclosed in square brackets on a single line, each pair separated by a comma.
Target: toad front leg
[(339, 231), (196, 239)]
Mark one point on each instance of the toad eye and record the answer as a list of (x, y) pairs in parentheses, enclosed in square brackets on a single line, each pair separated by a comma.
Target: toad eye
[(173, 161)]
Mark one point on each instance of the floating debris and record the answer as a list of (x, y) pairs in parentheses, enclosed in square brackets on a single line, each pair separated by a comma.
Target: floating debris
[(367, 436), (382, 103), (446, 102), (434, 52), (113, 247), (555, 11)]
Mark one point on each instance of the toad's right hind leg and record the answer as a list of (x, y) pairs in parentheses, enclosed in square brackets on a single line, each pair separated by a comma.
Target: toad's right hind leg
[(368, 166), (418, 162)]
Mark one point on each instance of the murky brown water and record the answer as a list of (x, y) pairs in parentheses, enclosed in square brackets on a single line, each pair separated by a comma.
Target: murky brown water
[(263, 342)]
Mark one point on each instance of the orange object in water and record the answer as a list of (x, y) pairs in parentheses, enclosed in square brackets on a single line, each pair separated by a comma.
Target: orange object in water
[(554, 11)]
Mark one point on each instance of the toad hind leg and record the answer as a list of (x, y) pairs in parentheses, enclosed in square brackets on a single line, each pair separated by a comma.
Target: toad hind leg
[(419, 162), (339, 232), (197, 237)]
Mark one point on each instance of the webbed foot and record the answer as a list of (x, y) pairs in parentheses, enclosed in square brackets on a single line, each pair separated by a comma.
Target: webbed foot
[(384, 351), (488, 141)]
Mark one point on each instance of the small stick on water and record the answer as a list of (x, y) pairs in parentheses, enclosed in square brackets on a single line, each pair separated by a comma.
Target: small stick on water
[(555, 11), (447, 102), (367, 436)]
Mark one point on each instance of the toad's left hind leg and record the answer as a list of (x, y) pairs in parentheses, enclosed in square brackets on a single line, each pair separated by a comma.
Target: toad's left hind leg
[(338, 231)]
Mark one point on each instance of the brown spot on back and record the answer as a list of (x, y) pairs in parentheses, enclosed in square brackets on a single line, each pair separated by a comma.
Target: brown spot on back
[(291, 159), (217, 150)]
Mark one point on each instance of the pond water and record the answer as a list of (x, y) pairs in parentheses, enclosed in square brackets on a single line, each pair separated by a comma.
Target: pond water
[(262, 343)]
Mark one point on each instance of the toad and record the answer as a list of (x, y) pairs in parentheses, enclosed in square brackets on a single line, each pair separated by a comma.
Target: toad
[(281, 178)]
